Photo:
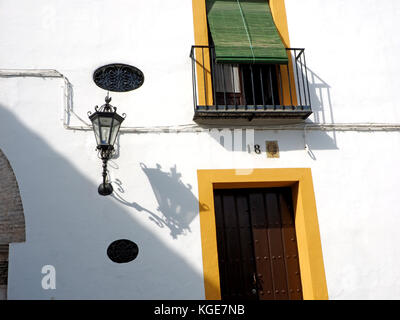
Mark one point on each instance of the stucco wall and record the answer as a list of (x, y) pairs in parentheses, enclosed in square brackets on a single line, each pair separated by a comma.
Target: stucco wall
[(351, 49), (155, 202)]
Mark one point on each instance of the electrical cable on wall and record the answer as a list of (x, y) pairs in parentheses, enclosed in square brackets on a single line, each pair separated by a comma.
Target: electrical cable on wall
[(191, 127)]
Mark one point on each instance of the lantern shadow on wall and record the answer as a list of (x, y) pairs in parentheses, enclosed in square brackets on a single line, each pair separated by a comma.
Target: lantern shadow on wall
[(177, 205)]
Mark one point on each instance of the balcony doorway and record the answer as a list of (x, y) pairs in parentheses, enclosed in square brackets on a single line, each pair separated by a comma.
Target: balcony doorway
[(247, 84)]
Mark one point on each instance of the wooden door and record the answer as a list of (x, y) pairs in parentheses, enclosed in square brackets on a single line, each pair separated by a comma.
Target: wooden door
[(257, 247)]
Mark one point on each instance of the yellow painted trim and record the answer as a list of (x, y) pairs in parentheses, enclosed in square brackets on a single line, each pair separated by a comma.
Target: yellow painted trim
[(306, 223), (200, 22), (278, 11), (205, 96)]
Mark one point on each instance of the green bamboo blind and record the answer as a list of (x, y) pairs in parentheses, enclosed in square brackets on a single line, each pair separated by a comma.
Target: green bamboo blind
[(243, 31)]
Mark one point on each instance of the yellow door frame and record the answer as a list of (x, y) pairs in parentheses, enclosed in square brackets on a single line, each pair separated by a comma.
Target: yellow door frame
[(306, 222)]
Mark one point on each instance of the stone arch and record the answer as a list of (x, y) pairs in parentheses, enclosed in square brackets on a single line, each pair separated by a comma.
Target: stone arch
[(12, 220)]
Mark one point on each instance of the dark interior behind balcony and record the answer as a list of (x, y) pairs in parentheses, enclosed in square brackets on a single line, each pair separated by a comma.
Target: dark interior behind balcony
[(246, 84)]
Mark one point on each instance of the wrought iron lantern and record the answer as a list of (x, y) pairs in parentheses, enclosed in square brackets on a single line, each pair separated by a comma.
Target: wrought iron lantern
[(106, 123), (116, 77)]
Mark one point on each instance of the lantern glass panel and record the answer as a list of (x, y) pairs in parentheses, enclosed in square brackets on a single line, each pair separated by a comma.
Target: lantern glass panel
[(114, 130), (105, 126), (95, 123)]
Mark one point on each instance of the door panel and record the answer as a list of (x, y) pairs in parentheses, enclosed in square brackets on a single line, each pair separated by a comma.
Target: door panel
[(234, 240), (257, 248), (275, 243), (264, 276), (245, 237), (290, 245), (232, 247)]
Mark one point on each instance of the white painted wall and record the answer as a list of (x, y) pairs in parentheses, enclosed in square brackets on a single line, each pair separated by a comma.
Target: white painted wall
[(351, 49), (154, 175)]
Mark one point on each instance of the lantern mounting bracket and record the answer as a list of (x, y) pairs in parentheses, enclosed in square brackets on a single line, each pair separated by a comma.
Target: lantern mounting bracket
[(107, 107), (105, 188)]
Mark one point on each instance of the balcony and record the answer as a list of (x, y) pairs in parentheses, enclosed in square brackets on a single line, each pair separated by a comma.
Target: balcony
[(243, 94)]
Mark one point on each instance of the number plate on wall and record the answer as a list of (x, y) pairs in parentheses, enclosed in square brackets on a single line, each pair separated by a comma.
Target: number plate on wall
[(272, 149)]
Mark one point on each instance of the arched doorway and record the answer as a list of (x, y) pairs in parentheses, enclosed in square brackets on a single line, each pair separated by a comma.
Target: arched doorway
[(12, 221)]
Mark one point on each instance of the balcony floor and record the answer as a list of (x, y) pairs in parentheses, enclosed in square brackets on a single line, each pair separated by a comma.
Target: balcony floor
[(251, 115)]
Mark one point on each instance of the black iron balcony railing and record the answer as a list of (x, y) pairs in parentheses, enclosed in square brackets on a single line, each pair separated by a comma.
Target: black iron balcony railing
[(249, 91)]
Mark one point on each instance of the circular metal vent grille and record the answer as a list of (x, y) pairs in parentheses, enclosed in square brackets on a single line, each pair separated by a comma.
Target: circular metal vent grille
[(122, 251), (118, 77)]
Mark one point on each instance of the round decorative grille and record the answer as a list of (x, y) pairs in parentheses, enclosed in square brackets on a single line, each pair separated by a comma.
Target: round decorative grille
[(122, 251), (118, 77)]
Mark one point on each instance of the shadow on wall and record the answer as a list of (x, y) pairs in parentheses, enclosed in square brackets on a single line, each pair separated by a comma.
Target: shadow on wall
[(243, 139), (70, 227), (177, 206), (321, 103), (320, 96)]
